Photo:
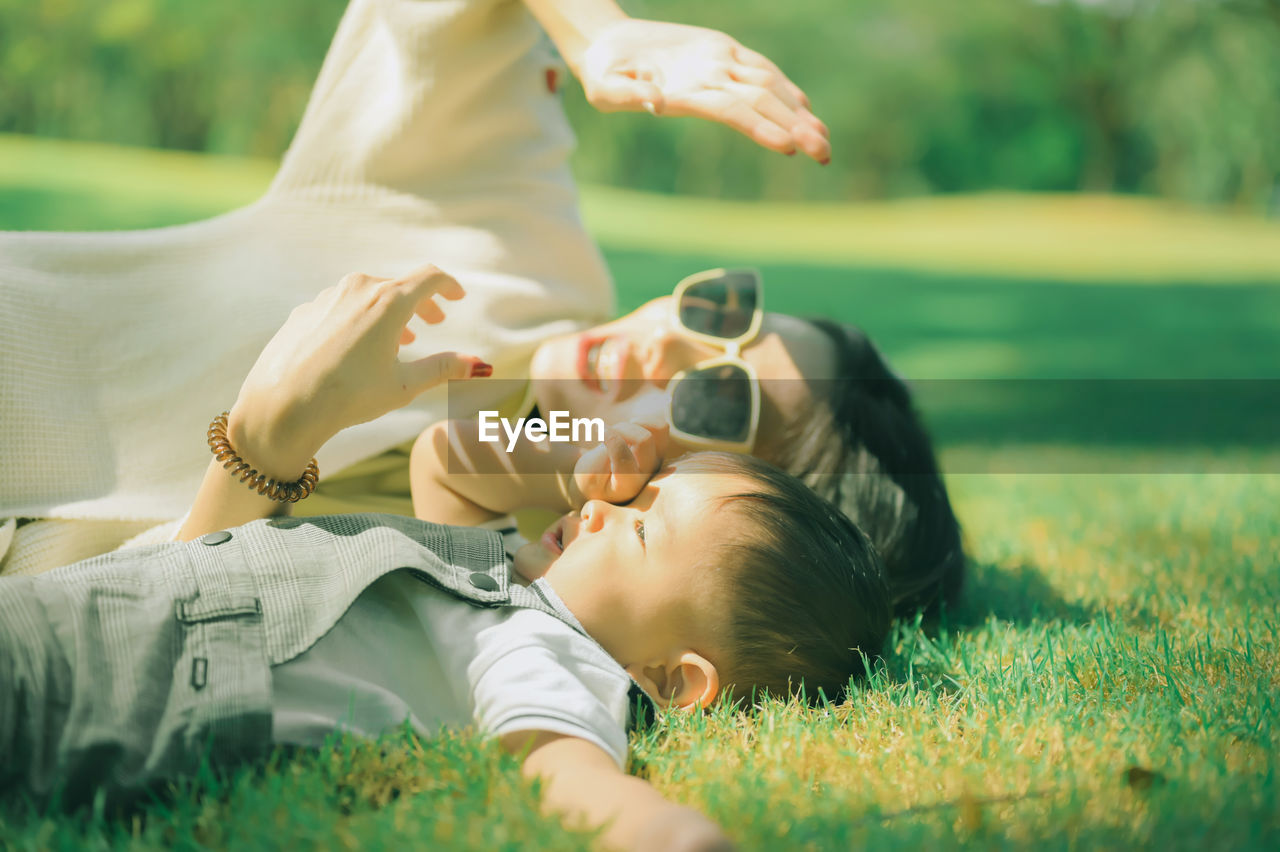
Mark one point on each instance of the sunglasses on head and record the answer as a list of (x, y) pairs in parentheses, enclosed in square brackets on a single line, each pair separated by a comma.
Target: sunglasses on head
[(715, 404)]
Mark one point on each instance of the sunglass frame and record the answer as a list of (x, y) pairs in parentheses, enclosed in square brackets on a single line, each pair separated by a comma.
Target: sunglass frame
[(732, 348)]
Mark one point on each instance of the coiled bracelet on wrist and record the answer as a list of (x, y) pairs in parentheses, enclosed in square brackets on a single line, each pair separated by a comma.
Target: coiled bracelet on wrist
[(284, 492)]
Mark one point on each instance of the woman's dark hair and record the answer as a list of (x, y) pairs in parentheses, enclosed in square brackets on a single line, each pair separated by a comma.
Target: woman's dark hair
[(866, 450), (805, 592)]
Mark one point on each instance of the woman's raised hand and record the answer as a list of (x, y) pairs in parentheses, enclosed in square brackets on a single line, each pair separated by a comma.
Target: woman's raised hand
[(333, 364), (678, 70)]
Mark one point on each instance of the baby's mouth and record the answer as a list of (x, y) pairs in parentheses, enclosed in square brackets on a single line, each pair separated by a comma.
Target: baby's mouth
[(553, 538)]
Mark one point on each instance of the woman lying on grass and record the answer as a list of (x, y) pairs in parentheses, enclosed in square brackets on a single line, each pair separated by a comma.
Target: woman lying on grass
[(432, 132), (715, 577)]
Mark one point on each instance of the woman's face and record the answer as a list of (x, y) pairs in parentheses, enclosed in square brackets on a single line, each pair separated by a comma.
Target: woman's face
[(620, 370)]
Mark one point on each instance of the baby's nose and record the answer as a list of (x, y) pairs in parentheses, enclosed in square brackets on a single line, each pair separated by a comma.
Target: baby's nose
[(594, 513)]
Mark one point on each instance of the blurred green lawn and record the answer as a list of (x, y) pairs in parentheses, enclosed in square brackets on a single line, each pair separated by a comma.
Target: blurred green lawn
[(985, 287), (1109, 678)]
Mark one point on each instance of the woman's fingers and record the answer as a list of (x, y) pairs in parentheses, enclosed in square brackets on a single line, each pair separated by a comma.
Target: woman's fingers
[(622, 461), (421, 286), (618, 468), (794, 120), (783, 89), (758, 114), (749, 57), (628, 90), (425, 373), (730, 108), (430, 312), (770, 81), (640, 441), (431, 280)]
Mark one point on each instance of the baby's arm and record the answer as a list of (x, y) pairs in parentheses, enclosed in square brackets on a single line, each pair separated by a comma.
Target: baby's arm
[(584, 786)]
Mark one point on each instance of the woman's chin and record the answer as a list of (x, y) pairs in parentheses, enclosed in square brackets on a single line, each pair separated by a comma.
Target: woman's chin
[(554, 358)]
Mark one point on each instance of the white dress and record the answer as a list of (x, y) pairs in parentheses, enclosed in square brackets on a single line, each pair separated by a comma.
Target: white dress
[(431, 137)]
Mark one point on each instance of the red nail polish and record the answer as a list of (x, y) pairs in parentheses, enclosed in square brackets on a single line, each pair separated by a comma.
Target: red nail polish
[(480, 370), (824, 162)]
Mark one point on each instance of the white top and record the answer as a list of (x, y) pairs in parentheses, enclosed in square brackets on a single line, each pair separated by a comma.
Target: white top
[(409, 651), (430, 137)]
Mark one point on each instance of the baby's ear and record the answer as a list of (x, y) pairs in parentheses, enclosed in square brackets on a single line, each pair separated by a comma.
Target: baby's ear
[(688, 680)]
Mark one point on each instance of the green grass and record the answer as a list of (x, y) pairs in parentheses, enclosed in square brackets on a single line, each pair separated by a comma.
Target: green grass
[(1109, 677)]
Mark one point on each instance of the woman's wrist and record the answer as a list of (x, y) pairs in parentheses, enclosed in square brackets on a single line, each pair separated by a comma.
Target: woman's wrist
[(574, 24), (271, 445)]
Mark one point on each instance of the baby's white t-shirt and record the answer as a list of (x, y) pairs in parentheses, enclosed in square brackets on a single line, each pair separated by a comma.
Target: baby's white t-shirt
[(406, 650)]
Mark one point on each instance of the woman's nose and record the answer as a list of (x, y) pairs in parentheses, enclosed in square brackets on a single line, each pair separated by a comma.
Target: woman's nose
[(664, 354)]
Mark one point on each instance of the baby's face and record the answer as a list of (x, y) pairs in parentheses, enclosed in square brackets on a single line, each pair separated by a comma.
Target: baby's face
[(638, 576)]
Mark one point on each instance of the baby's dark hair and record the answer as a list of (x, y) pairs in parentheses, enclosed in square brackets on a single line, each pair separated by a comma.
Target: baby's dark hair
[(807, 600)]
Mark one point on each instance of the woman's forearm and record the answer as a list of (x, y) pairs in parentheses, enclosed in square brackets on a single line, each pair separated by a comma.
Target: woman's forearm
[(572, 24)]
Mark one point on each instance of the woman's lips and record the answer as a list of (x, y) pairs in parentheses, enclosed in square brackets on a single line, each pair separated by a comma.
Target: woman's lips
[(603, 363), (586, 368)]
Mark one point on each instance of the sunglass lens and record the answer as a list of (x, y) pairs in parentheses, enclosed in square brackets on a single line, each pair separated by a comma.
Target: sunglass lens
[(714, 403), (721, 307)]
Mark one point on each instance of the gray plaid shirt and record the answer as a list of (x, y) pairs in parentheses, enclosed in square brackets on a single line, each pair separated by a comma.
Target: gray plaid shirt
[(135, 665)]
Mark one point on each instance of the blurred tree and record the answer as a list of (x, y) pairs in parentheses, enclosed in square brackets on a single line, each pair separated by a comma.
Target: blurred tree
[(1173, 97), (229, 77)]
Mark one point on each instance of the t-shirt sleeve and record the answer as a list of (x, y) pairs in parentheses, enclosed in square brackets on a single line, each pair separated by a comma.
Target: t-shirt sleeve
[(538, 686)]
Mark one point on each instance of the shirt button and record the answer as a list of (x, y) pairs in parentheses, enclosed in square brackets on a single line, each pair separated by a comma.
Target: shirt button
[(484, 582), (285, 523), (215, 537)]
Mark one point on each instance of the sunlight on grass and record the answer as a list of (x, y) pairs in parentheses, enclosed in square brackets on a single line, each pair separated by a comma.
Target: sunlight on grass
[(1060, 237), (54, 184)]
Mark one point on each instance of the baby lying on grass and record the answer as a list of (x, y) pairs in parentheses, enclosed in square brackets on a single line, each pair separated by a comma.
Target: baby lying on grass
[(715, 577)]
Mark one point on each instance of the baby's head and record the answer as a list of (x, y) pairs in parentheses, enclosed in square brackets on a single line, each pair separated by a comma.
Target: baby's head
[(722, 576)]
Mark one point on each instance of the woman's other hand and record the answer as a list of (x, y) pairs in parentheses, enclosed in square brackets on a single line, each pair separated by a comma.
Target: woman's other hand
[(678, 70), (333, 364), (618, 469)]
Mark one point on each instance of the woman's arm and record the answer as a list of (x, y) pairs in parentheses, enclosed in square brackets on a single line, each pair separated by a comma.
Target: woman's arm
[(331, 365), (670, 69), (574, 24), (458, 479), (582, 784)]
